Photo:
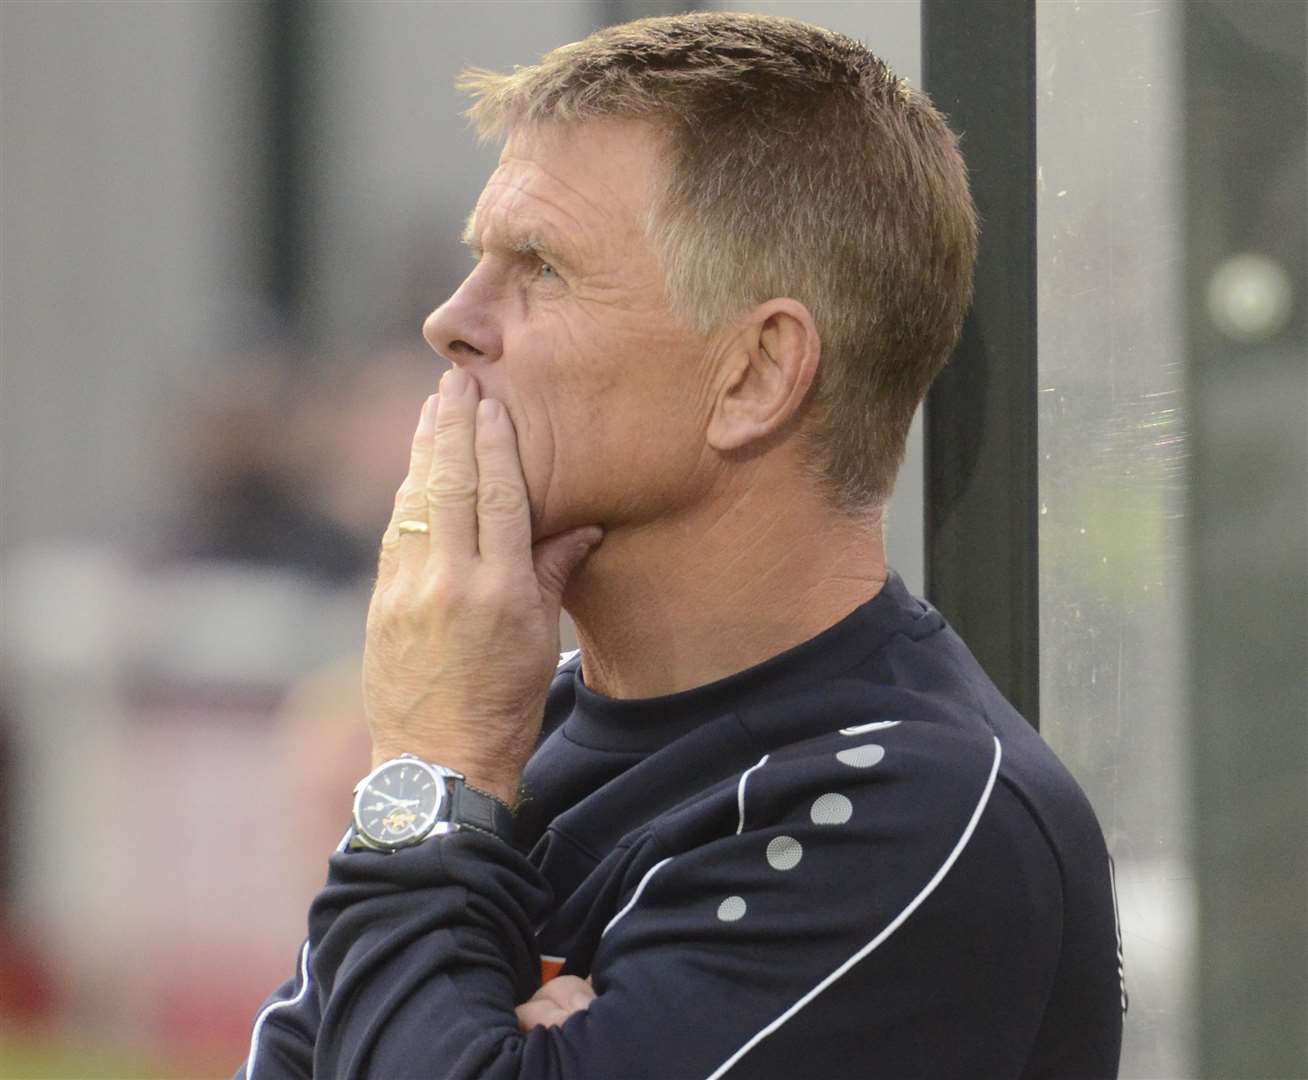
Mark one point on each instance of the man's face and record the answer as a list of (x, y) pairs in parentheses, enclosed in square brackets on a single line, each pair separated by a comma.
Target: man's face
[(608, 391)]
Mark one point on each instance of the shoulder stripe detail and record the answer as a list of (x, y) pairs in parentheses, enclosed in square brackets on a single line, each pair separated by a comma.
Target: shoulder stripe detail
[(273, 1007), (636, 895), (740, 791), (740, 802), (890, 929), (876, 726)]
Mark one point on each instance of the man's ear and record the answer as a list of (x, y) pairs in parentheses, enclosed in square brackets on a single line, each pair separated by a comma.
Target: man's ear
[(766, 371)]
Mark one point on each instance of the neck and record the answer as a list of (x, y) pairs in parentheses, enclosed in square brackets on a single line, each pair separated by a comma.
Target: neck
[(671, 605)]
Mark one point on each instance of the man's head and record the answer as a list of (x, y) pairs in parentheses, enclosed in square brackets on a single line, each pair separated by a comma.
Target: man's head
[(771, 241)]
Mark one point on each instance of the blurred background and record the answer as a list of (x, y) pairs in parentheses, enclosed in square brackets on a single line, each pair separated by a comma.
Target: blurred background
[(221, 226)]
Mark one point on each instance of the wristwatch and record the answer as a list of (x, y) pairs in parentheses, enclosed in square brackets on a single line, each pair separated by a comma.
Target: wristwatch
[(405, 800)]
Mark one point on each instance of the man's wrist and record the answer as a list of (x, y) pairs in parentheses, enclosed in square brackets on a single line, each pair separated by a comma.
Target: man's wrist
[(505, 791), (500, 783)]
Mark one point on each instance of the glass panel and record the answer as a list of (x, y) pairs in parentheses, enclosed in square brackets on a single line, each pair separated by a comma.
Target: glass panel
[(1246, 236), (1112, 476)]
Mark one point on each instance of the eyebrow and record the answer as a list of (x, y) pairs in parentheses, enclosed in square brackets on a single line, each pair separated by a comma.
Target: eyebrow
[(526, 241)]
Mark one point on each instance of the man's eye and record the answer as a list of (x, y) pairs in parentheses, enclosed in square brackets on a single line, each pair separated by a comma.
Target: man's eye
[(546, 266)]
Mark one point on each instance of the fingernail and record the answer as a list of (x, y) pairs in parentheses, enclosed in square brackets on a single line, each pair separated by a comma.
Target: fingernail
[(427, 421), (489, 409), (454, 381)]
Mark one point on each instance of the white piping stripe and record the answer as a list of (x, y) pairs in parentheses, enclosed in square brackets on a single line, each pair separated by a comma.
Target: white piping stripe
[(894, 925), (877, 726), (1117, 925), (740, 791), (270, 1009), (636, 895), (1117, 922), (740, 801)]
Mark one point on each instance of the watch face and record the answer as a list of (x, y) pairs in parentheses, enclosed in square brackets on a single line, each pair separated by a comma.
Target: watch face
[(399, 803)]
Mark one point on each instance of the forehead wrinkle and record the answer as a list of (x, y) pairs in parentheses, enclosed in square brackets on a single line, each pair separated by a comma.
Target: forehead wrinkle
[(525, 239), (535, 237)]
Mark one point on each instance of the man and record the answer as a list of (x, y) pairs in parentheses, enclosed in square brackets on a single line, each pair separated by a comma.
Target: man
[(771, 820)]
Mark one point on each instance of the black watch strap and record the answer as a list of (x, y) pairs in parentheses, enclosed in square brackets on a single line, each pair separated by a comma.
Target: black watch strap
[(474, 809)]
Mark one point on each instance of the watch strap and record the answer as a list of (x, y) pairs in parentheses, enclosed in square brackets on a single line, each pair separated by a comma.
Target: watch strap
[(356, 841), (471, 808)]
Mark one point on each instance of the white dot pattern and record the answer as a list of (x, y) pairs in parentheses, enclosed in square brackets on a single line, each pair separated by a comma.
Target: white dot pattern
[(784, 853), (861, 757), (831, 809), (731, 909)]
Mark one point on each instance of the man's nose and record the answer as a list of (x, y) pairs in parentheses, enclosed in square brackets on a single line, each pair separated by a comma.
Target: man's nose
[(463, 331)]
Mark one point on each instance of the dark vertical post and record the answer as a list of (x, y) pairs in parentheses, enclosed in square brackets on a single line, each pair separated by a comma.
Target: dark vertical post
[(1245, 129), (978, 63), (287, 116)]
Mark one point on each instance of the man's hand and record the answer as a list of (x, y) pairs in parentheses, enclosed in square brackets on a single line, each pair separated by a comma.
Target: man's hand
[(463, 627), (554, 1002)]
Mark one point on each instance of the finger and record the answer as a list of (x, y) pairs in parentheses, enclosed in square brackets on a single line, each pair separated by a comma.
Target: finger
[(503, 514), (410, 500), (566, 989), (566, 992), (452, 477), (538, 1012)]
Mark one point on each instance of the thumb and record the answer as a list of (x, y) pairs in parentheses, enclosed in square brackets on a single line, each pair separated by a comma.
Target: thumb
[(555, 559)]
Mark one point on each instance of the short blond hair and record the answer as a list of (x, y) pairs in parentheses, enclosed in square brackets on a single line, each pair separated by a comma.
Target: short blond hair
[(797, 165)]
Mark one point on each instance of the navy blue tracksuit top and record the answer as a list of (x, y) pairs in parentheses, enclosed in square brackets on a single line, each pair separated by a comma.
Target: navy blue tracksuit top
[(852, 860)]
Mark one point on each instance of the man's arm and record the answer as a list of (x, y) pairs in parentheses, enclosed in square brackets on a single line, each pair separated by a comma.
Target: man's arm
[(281, 1042), (916, 933), (857, 917), (286, 1025)]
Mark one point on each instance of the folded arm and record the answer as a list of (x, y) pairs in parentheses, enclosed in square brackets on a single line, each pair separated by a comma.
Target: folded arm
[(842, 929)]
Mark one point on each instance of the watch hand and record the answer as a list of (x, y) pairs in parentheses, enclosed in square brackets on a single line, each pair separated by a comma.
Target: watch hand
[(392, 798)]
